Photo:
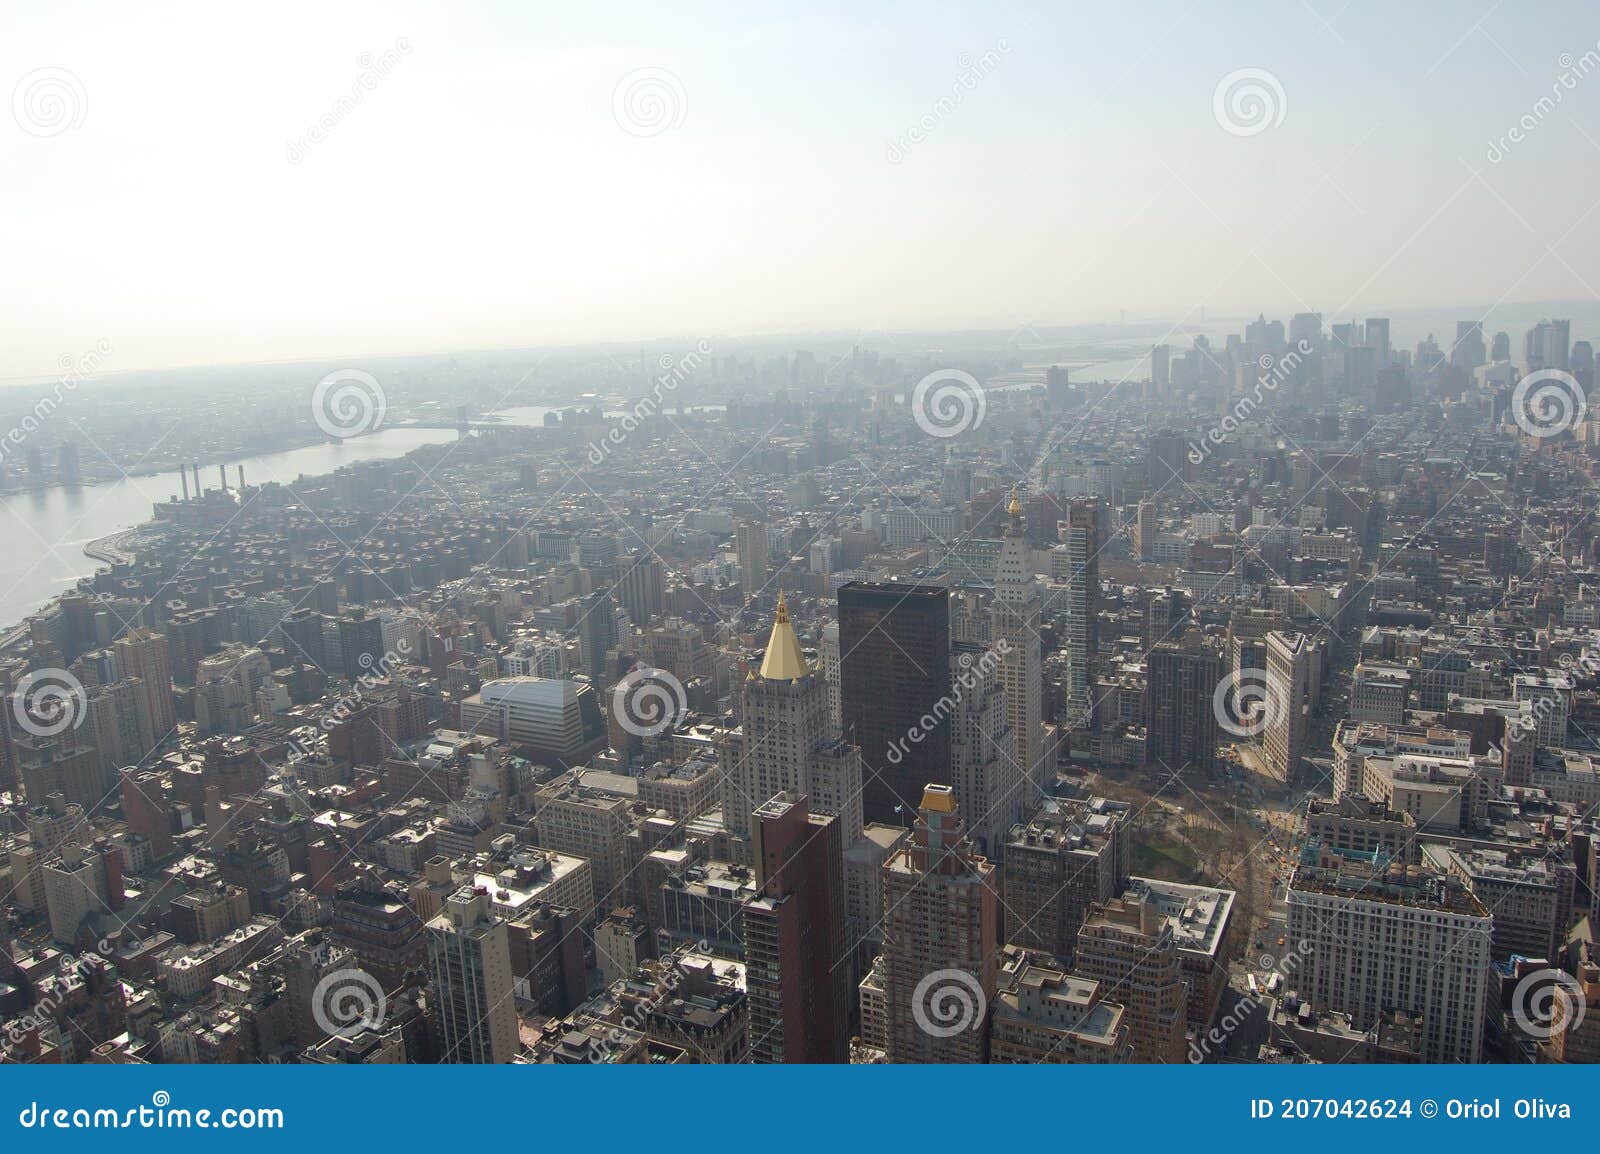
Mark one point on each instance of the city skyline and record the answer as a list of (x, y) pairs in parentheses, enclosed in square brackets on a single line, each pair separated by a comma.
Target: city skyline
[(922, 681)]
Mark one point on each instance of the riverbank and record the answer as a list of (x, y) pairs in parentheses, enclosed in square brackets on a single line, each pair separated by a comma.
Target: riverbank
[(74, 531), (118, 548)]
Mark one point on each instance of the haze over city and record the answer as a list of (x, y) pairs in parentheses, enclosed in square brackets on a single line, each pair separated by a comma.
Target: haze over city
[(482, 192)]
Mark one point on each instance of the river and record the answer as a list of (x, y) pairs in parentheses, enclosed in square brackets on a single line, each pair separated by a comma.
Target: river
[(48, 528)]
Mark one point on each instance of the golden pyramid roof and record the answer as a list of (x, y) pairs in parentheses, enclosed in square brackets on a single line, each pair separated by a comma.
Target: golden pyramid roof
[(783, 661)]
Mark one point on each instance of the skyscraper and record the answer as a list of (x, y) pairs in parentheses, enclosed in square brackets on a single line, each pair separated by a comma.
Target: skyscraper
[(797, 984), (1179, 718), (1294, 665), (894, 643), (1547, 345), (1015, 629), (641, 585), (597, 633), (1166, 461), (1128, 947), (360, 643), (1067, 856), (1377, 936), (469, 960), (1081, 536), (1144, 531), (789, 743), (1583, 365), (302, 632), (1377, 339), (941, 939), (1161, 369), (830, 670), (989, 783), (145, 809), (750, 543), (143, 654), (1468, 352)]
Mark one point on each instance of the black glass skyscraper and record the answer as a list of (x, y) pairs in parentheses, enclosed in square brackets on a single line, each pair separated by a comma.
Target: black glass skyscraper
[(894, 673)]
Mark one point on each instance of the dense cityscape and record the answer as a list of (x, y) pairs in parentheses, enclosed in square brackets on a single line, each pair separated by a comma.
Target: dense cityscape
[(943, 699), (1011, 573)]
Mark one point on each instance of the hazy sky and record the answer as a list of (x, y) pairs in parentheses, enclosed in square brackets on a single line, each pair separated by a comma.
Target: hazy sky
[(486, 191)]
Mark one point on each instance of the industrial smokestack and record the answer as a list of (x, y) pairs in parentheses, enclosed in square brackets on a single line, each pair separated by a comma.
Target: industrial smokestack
[(241, 478), (198, 487), (222, 475), (183, 475)]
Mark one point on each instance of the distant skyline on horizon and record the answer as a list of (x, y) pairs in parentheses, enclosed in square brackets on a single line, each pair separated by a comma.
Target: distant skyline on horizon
[(1409, 326)]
